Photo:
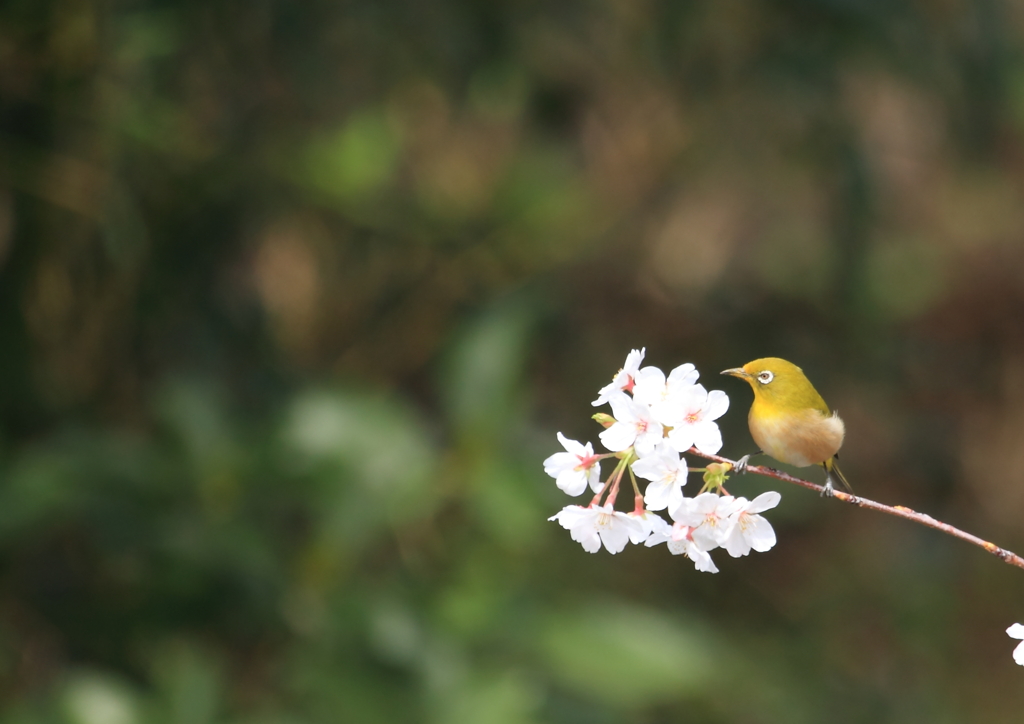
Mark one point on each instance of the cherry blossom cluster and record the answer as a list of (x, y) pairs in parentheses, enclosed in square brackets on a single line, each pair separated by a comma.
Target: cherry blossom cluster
[(654, 419)]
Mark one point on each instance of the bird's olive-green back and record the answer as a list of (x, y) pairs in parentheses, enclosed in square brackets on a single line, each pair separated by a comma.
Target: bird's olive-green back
[(789, 388)]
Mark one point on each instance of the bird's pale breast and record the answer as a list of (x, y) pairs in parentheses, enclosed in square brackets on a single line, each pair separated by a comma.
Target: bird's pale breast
[(801, 438)]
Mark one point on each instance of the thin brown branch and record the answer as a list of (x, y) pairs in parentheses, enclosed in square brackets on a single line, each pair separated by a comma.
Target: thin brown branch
[(899, 511)]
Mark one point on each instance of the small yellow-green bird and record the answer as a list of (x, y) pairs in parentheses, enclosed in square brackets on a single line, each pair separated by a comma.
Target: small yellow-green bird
[(789, 420)]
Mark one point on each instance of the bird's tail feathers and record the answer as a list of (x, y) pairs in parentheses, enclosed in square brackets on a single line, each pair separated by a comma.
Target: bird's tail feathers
[(834, 473)]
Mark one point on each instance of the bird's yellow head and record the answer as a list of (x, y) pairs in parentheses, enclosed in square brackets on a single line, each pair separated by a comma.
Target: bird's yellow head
[(779, 383)]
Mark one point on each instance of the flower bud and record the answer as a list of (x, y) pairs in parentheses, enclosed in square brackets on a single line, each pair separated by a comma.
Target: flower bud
[(603, 419), (715, 475)]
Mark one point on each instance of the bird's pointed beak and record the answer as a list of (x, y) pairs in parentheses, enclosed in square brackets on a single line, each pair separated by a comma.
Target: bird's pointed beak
[(737, 372)]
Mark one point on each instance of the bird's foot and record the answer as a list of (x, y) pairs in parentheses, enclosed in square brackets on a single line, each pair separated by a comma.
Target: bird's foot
[(740, 466), (828, 491)]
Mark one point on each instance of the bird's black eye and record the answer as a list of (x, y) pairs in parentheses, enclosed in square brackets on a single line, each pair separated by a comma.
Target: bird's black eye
[(765, 377)]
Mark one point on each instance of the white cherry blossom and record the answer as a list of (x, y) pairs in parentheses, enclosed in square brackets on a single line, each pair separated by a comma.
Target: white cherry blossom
[(709, 517), (575, 468), (664, 395), (749, 530), (667, 473), (623, 380), (679, 539), (652, 524), (633, 427), (590, 527), (693, 417)]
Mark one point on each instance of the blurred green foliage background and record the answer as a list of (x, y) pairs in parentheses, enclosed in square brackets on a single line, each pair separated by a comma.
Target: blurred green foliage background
[(294, 296)]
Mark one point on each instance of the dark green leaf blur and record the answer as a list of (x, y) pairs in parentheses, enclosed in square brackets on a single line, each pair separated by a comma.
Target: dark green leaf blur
[(294, 297)]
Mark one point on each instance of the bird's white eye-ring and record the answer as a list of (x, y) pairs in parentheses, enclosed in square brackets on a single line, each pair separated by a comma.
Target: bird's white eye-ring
[(765, 377)]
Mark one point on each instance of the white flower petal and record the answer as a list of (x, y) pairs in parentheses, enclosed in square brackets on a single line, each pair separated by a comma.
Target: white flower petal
[(583, 531), (618, 437), (572, 446), (716, 406), (639, 535), (558, 462), (604, 393), (706, 537), (675, 497), (659, 526), (652, 467), (658, 495), (684, 375), (667, 491), (591, 541), (1018, 653), (736, 543), (685, 514), (571, 481), (615, 538), (764, 501), (701, 560), (649, 386), (681, 438), (622, 408), (694, 397), (678, 547), (655, 538), (1016, 631), (707, 502), (667, 412), (707, 437), (633, 360), (760, 534), (570, 515), (648, 441)]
